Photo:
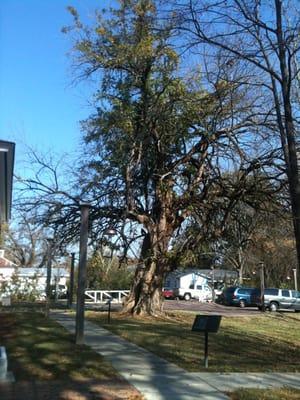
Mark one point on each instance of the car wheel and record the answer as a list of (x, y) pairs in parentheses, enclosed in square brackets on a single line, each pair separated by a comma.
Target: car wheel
[(187, 296), (242, 303), (273, 307)]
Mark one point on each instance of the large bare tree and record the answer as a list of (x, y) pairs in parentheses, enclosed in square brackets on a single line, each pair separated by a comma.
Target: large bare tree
[(160, 141), (164, 146)]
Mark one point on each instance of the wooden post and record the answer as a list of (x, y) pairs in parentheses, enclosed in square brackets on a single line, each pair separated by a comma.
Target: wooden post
[(79, 331), (71, 288)]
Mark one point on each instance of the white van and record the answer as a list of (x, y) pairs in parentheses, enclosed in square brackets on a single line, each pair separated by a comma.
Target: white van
[(195, 291)]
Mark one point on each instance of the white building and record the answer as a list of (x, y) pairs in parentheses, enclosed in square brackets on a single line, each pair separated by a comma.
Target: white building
[(36, 277), (194, 277), (39, 275), (184, 279)]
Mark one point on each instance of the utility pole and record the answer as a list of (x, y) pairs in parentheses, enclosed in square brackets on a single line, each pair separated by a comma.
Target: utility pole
[(213, 284), (71, 288), (79, 331), (295, 278), (262, 285), (48, 279)]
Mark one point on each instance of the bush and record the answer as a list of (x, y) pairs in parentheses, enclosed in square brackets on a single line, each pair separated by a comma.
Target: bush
[(20, 289)]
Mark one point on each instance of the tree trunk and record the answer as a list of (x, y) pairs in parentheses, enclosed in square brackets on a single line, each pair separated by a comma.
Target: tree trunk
[(241, 266), (291, 158), (145, 297)]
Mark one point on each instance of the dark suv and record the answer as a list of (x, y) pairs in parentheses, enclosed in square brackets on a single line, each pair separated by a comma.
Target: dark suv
[(276, 299), (239, 296)]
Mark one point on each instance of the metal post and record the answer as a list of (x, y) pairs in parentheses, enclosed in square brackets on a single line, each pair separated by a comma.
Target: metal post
[(109, 309), (295, 278), (71, 288), (206, 350), (56, 287), (48, 279), (79, 332), (262, 286), (213, 284)]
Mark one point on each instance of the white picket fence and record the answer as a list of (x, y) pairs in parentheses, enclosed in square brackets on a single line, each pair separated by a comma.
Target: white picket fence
[(103, 296)]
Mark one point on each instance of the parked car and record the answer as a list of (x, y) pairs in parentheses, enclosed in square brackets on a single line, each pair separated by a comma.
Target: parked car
[(279, 299), (239, 296), (199, 292), (168, 293), (218, 292), (62, 291)]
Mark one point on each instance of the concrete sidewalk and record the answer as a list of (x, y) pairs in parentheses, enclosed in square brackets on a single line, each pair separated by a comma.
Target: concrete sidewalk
[(158, 379)]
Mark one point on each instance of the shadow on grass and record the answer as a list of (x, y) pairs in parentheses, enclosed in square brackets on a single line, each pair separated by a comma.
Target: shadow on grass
[(40, 351)]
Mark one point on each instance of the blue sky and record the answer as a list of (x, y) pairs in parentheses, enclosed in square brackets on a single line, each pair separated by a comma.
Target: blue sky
[(39, 107)]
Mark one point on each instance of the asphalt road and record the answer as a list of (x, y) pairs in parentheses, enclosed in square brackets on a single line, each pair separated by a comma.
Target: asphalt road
[(190, 305), (209, 308)]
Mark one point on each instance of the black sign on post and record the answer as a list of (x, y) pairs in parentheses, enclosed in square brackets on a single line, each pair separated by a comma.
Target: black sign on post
[(206, 324)]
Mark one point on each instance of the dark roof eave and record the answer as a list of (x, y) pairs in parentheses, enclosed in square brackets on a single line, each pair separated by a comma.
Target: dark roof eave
[(7, 158)]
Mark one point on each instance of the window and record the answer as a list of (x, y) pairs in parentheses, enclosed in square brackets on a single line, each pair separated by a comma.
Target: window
[(192, 286), (271, 292), (242, 291), (199, 287), (285, 293), (295, 294)]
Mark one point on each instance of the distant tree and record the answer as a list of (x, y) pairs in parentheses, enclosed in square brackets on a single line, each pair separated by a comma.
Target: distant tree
[(273, 244), (104, 273), (223, 235), (262, 37), (238, 239), (25, 243), (48, 198)]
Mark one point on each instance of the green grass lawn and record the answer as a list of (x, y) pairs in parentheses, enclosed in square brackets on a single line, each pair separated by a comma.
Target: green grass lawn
[(40, 349), (268, 342)]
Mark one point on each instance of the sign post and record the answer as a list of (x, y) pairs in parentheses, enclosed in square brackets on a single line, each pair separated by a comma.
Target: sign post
[(206, 324)]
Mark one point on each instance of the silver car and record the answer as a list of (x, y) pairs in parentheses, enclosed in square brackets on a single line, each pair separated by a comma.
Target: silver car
[(285, 299)]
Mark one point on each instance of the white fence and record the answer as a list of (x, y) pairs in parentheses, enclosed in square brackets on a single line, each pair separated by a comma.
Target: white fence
[(103, 296)]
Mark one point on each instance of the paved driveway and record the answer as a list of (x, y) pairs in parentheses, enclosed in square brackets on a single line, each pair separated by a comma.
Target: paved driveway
[(209, 308), (191, 305)]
